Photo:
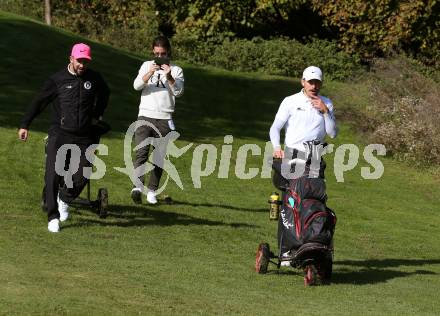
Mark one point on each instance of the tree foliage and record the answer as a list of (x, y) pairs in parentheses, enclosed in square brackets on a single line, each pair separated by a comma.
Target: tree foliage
[(370, 28), (238, 18), (127, 23), (380, 27)]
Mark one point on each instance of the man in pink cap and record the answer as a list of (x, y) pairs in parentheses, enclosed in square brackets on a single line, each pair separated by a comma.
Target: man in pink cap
[(80, 58), (79, 97)]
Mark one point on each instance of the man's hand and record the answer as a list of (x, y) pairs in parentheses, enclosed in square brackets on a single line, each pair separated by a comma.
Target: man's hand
[(153, 67), (278, 153), (167, 72), (318, 104), (23, 134)]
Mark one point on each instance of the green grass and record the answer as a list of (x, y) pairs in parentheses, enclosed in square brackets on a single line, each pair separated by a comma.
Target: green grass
[(196, 256)]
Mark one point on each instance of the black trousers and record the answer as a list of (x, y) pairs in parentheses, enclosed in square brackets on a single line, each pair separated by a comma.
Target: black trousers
[(154, 129), (54, 182)]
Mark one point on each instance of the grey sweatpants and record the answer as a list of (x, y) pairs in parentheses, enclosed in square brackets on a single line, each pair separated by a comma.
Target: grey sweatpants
[(154, 129)]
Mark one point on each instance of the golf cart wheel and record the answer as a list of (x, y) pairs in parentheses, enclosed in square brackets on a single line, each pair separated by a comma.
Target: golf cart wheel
[(309, 275), (102, 202), (262, 258)]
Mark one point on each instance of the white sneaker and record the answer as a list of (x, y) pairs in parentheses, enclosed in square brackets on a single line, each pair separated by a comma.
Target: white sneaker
[(54, 225), (285, 263), (63, 209), (151, 197)]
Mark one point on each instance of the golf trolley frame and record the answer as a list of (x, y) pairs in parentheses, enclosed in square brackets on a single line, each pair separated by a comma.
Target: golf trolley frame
[(316, 261), (99, 205)]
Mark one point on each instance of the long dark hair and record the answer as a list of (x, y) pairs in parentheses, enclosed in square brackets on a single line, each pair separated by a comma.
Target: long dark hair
[(162, 41)]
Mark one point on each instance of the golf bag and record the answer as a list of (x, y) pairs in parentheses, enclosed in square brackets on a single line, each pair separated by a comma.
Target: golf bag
[(305, 232), (306, 225), (304, 217)]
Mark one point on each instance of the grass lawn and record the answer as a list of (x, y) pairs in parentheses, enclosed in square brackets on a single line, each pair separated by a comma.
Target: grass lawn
[(196, 256)]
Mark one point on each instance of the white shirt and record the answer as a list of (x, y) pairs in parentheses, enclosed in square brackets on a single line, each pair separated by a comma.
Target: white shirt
[(158, 96), (302, 121)]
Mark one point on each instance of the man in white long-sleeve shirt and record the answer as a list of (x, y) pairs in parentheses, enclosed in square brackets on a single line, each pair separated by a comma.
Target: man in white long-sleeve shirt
[(160, 82), (305, 116)]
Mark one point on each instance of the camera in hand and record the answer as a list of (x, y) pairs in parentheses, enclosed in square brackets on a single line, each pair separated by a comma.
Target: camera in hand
[(161, 61)]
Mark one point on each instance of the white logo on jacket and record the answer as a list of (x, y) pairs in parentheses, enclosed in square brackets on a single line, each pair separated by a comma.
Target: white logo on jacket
[(87, 85)]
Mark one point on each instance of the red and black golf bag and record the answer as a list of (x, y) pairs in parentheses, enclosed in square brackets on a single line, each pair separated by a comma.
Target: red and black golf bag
[(306, 225), (304, 216)]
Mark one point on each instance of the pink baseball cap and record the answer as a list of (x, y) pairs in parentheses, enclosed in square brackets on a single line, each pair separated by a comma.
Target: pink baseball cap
[(81, 50)]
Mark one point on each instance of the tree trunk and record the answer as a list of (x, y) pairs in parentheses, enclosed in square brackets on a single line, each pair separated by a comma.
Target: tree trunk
[(47, 14)]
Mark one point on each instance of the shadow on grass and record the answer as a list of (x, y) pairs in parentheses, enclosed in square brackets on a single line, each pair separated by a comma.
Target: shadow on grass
[(376, 271), (272, 269), (371, 272), (387, 263), (372, 276), (133, 216), (228, 207)]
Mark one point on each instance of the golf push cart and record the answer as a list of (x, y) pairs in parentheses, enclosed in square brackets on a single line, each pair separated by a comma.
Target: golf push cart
[(98, 206), (305, 224)]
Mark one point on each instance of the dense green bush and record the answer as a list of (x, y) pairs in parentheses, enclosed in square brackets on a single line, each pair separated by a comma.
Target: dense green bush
[(279, 56)]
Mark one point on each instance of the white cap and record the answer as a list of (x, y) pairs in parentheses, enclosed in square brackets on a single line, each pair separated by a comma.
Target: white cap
[(311, 73)]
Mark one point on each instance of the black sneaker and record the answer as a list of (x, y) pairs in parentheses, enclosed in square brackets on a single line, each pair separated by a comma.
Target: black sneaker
[(136, 195)]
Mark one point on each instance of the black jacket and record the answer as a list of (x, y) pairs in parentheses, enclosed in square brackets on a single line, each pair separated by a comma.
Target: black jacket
[(76, 100)]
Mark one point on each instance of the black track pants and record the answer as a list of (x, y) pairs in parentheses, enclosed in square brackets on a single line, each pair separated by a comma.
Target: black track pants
[(54, 182)]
